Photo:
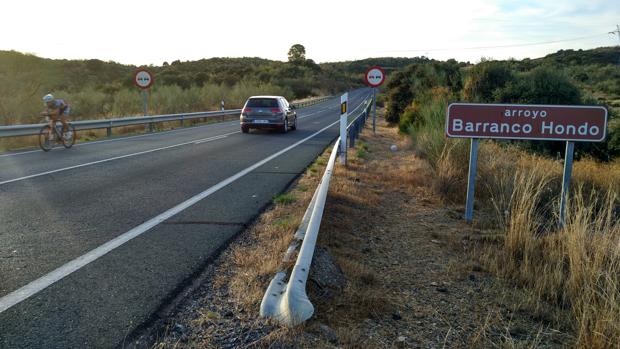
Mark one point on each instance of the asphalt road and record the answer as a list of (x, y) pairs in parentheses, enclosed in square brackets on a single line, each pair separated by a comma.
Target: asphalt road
[(133, 219)]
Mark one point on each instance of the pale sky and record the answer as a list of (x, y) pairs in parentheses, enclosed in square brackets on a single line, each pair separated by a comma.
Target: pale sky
[(151, 32)]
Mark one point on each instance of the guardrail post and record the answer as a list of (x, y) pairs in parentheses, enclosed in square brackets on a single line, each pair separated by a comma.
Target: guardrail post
[(182, 119), (109, 130), (352, 137)]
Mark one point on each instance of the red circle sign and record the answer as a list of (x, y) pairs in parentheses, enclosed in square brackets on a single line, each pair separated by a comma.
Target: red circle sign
[(375, 76), (143, 79)]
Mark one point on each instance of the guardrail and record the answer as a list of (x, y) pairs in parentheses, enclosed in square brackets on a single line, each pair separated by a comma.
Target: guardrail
[(288, 302), (33, 129)]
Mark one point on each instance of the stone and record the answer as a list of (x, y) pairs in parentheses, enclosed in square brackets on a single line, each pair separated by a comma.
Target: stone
[(328, 333), (326, 278)]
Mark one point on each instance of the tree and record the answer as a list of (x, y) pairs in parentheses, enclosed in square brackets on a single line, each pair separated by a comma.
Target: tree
[(297, 54)]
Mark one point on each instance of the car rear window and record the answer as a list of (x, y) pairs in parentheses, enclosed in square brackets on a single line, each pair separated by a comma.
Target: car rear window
[(262, 103)]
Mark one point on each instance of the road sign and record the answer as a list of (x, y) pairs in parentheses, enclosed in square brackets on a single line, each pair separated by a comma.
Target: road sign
[(567, 123), (143, 79), (527, 122), (375, 76)]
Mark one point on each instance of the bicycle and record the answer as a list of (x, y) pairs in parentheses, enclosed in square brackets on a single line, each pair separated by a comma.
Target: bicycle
[(51, 135)]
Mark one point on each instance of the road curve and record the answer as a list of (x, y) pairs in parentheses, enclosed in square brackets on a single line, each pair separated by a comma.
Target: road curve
[(96, 238)]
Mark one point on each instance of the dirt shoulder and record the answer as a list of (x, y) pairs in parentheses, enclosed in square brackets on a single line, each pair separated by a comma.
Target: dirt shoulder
[(409, 260)]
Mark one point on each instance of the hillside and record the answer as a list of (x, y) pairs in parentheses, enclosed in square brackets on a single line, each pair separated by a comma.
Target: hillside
[(100, 89), (97, 89)]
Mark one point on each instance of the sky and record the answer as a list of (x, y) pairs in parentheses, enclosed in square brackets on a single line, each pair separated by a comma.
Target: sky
[(152, 32)]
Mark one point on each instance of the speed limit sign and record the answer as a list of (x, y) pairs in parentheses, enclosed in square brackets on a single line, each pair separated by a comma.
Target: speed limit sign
[(143, 79), (375, 76)]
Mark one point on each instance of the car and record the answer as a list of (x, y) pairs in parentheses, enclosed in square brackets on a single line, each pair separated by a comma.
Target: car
[(268, 112)]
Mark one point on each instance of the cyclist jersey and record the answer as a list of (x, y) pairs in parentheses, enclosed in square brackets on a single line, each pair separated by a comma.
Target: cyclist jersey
[(60, 105)]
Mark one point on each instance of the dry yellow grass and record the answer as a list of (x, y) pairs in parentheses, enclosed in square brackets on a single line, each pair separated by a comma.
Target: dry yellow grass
[(575, 268)]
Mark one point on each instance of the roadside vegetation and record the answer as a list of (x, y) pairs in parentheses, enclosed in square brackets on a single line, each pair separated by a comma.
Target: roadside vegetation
[(571, 275), (98, 89)]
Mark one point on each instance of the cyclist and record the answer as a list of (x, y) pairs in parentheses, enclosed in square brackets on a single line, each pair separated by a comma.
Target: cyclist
[(57, 109)]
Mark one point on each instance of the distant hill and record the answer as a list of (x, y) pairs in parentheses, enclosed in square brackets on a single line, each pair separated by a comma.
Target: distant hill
[(97, 88)]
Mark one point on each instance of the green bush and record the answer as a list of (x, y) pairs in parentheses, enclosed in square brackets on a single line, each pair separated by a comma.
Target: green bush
[(485, 79)]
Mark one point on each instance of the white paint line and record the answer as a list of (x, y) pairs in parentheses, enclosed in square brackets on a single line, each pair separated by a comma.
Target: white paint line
[(112, 159), (211, 139), (47, 280)]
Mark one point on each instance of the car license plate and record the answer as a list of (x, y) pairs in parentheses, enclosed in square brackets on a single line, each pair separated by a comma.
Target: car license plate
[(261, 121)]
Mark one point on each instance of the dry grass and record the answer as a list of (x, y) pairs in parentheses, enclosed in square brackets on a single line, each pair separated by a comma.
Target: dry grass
[(255, 265), (577, 268)]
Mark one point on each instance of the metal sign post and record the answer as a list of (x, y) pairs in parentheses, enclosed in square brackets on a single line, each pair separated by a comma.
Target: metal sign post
[(145, 102), (568, 169), (374, 108), (526, 122), (471, 180), (374, 77), (144, 80), (343, 128)]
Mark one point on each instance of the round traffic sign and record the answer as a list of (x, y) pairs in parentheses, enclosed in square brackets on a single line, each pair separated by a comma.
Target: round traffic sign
[(143, 79), (375, 76)]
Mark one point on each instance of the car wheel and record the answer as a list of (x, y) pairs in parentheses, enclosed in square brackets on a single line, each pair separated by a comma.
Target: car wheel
[(285, 126), (294, 126), (245, 129)]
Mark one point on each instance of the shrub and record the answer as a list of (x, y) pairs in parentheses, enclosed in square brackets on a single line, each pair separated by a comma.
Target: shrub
[(485, 79)]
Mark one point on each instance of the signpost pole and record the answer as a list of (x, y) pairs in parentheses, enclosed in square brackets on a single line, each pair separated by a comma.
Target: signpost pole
[(145, 101), (374, 107), (568, 168), (145, 107), (471, 181)]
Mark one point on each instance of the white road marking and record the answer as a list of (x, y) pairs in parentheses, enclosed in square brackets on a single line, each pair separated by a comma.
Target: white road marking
[(113, 158), (212, 139), (59, 273)]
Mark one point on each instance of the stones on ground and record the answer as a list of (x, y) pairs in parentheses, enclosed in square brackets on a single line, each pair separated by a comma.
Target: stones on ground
[(396, 316), (436, 242), (327, 333), (442, 289), (327, 279), (401, 341), (393, 147)]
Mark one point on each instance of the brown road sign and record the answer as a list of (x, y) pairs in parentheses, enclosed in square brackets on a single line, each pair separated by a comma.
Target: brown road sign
[(522, 121)]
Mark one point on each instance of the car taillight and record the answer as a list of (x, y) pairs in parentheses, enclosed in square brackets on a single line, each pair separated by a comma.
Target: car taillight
[(246, 110), (276, 110)]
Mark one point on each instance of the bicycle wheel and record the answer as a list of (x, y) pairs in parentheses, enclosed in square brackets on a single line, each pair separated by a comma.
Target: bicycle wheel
[(68, 138), (46, 141)]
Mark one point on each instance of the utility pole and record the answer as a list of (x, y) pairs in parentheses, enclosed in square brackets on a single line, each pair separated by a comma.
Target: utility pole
[(617, 31)]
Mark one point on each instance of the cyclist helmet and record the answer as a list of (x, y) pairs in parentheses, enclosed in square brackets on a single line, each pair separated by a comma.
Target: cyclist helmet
[(48, 98)]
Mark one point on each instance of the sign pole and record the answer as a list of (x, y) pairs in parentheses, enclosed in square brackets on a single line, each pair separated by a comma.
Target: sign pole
[(145, 102), (374, 77), (374, 107), (343, 128), (568, 168), (471, 180)]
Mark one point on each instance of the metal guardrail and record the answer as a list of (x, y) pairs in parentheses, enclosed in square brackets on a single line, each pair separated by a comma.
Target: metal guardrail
[(33, 129), (288, 302)]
